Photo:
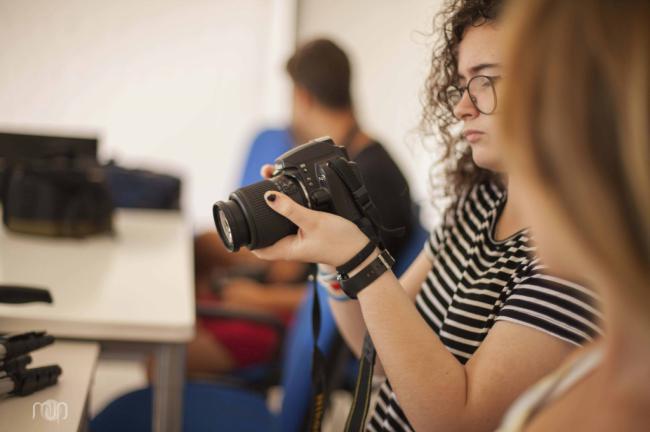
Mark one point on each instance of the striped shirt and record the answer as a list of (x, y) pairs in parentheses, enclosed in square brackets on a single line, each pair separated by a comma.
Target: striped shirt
[(475, 281)]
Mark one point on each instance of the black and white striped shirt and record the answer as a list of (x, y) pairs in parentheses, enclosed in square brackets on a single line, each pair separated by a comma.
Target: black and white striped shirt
[(475, 281)]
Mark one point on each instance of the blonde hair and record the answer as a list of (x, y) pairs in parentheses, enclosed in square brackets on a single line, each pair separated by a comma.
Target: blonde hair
[(576, 118)]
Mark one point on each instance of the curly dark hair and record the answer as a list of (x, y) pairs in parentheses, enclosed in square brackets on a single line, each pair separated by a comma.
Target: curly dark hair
[(459, 170)]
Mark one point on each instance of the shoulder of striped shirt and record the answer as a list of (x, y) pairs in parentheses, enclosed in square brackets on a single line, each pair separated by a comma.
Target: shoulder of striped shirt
[(535, 270), (458, 211)]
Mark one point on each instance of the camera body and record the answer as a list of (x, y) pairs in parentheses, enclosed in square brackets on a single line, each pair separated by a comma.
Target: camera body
[(317, 175)]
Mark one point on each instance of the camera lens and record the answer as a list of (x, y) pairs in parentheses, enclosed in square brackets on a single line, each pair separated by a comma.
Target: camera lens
[(226, 228), (247, 220), (231, 224)]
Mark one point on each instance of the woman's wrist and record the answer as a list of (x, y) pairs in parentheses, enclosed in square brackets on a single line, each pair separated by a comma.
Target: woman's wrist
[(352, 247), (365, 262), (372, 268)]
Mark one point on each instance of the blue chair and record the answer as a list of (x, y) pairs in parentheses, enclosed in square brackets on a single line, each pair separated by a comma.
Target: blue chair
[(266, 147), (413, 246)]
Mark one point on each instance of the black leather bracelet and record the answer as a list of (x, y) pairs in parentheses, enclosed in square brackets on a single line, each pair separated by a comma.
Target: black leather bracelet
[(352, 286), (356, 260)]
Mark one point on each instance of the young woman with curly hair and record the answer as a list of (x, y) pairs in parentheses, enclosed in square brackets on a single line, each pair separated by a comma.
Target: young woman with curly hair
[(477, 318)]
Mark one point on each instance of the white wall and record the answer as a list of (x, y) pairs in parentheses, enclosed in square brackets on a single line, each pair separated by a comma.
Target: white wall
[(389, 43), (171, 84)]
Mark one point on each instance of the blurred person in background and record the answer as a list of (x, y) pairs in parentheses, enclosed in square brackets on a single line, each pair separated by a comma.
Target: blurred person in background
[(477, 318), (322, 105), (577, 140)]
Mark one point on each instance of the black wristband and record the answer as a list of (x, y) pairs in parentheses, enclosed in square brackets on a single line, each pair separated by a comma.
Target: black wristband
[(354, 285), (356, 260)]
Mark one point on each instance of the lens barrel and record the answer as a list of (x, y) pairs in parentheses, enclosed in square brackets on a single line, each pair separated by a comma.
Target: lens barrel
[(247, 220)]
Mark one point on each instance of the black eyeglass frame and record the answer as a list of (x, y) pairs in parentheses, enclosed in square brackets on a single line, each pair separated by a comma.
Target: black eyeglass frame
[(462, 89)]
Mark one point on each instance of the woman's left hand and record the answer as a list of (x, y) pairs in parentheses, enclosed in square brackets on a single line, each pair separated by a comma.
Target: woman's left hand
[(322, 238)]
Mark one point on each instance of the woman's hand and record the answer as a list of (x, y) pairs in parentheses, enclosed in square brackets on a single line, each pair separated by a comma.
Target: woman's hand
[(322, 237)]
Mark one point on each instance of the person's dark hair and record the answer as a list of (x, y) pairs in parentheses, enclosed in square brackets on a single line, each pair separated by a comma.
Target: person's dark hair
[(460, 171), (323, 69)]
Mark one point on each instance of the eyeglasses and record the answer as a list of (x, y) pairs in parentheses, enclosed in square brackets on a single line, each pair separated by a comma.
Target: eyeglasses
[(481, 92)]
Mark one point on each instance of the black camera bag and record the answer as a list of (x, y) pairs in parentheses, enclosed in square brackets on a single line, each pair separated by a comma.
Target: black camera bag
[(57, 196)]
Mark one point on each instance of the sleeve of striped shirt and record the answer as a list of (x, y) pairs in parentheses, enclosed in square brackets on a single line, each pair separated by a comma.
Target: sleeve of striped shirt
[(434, 242), (555, 306), (438, 235)]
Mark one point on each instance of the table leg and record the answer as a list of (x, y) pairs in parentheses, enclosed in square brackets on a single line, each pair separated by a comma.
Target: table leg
[(168, 388), (85, 416)]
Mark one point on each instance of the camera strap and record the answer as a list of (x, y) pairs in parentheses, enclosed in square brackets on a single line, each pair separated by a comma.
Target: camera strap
[(359, 410), (318, 363), (363, 387), (370, 222)]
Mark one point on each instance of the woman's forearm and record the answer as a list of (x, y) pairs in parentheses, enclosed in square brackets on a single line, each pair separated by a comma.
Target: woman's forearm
[(428, 380), (349, 319)]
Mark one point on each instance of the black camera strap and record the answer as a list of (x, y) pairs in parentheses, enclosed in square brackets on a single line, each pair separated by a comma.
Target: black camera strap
[(371, 224), (370, 221), (359, 410), (318, 363), (361, 402)]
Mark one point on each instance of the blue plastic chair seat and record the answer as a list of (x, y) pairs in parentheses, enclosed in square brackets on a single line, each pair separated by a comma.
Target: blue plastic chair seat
[(206, 407)]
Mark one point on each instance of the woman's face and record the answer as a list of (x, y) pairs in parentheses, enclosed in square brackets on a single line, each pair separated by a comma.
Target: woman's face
[(479, 54)]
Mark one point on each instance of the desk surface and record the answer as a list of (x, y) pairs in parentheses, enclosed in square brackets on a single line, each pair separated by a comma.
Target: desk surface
[(77, 359), (135, 286)]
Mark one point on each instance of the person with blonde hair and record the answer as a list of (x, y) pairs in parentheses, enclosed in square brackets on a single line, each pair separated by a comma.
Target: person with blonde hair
[(577, 142)]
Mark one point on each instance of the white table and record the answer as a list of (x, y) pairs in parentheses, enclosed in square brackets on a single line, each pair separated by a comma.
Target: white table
[(62, 407), (133, 291)]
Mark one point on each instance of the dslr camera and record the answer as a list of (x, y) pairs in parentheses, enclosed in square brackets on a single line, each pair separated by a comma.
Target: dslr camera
[(317, 175)]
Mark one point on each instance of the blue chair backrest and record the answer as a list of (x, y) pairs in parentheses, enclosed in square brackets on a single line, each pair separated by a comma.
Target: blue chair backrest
[(266, 147), (413, 246)]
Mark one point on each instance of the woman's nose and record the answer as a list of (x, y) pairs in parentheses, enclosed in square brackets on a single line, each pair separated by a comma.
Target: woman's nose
[(465, 109)]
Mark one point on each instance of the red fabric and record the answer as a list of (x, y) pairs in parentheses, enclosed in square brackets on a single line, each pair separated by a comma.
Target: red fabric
[(248, 343)]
